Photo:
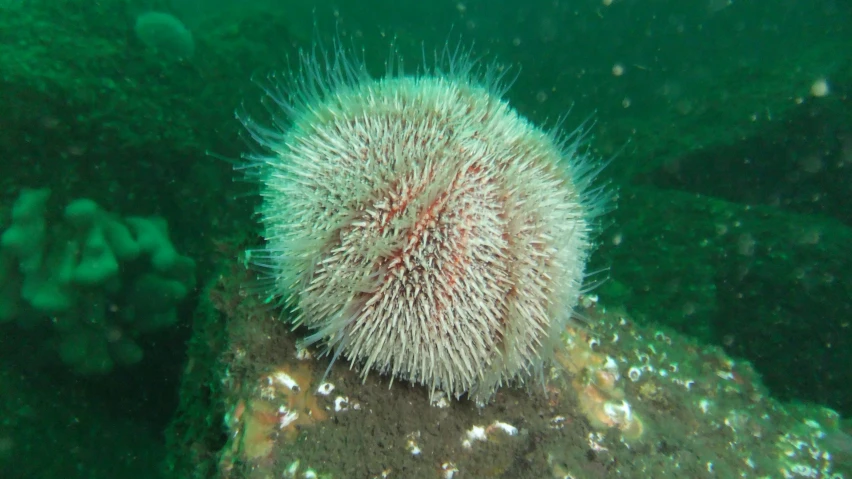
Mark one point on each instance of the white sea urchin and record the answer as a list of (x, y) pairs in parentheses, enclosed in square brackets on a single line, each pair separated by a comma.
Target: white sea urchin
[(418, 224)]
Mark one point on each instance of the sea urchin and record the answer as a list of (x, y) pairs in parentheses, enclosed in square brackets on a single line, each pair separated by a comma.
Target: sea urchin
[(418, 224)]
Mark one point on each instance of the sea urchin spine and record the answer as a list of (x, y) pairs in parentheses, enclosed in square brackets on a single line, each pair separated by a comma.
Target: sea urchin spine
[(418, 224)]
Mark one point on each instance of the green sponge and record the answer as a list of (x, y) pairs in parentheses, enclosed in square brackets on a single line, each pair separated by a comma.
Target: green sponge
[(97, 261), (48, 289), (28, 229), (26, 260), (152, 236), (99, 280)]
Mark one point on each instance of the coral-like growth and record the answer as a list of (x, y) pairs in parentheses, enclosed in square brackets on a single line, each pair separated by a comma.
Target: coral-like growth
[(165, 34), (100, 280)]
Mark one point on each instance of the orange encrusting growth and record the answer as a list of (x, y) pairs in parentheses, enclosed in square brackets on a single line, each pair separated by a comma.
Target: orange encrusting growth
[(270, 413), (595, 379), (303, 401)]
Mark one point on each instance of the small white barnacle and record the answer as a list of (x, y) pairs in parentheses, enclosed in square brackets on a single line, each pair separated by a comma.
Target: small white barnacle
[(341, 403), (634, 374), (325, 389), (284, 379)]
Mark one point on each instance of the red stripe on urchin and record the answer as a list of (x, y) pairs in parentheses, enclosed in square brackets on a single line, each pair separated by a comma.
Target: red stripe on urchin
[(402, 259)]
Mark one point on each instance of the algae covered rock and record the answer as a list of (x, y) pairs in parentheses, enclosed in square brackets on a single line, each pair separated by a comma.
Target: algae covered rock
[(621, 400)]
